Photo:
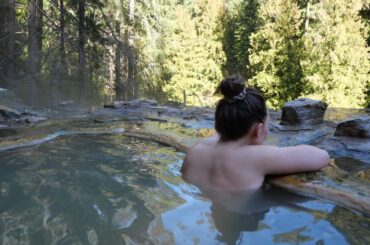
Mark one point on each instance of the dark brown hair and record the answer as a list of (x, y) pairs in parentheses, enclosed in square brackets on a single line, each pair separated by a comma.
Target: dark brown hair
[(239, 109)]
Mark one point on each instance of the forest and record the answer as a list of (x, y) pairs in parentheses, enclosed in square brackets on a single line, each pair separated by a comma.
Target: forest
[(177, 51)]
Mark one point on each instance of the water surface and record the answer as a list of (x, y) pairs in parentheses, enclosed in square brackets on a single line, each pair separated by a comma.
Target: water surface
[(119, 190)]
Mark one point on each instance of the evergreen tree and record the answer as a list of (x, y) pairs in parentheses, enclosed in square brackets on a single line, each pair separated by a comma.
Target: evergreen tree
[(365, 14), (156, 25), (276, 51), (239, 21), (194, 54), (336, 64)]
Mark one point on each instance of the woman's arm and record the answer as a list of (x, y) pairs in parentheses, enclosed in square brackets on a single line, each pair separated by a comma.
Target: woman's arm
[(293, 159)]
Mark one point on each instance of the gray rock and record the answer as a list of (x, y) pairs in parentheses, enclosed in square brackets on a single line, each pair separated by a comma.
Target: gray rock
[(7, 95), (7, 113), (350, 165), (303, 112), (358, 128), (119, 104), (35, 119), (66, 103), (9, 99), (357, 148), (108, 115), (146, 102)]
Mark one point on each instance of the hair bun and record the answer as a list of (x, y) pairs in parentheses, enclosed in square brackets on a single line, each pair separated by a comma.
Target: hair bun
[(231, 86)]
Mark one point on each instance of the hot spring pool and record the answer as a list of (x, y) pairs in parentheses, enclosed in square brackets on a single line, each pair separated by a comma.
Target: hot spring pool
[(119, 190)]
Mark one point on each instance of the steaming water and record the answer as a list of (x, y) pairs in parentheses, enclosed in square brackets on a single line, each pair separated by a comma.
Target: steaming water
[(119, 190)]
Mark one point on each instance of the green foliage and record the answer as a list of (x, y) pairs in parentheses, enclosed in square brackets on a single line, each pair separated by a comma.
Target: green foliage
[(183, 48), (276, 50), (194, 54), (365, 14), (157, 26), (239, 21), (336, 63), (294, 48)]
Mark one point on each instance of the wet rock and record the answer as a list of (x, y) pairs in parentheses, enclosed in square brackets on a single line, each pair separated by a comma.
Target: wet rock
[(11, 117), (124, 217), (363, 175), (7, 113), (92, 237), (28, 113), (35, 119), (158, 234), (350, 165), (156, 119), (342, 114), (331, 183), (356, 148), (119, 104), (9, 99), (303, 112), (66, 103), (308, 138), (174, 103), (147, 102), (358, 127), (179, 126), (108, 115)]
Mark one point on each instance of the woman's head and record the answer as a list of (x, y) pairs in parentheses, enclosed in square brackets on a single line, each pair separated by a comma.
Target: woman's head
[(239, 110)]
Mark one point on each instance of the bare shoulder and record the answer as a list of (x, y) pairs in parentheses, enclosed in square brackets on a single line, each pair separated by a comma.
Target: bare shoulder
[(209, 141), (292, 159), (204, 143), (199, 148)]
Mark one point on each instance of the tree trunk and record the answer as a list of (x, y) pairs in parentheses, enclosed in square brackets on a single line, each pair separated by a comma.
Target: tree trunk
[(54, 83), (117, 65), (8, 17), (34, 44), (3, 82), (132, 84), (81, 47), (32, 49), (62, 37), (307, 16), (39, 15)]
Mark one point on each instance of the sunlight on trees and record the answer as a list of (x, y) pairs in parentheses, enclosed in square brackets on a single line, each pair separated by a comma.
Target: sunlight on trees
[(99, 50)]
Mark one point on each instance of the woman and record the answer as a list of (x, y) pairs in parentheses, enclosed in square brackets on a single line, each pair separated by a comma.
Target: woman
[(235, 158)]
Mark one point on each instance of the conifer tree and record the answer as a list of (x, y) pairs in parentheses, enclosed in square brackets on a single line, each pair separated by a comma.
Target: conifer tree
[(336, 63), (194, 54), (276, 51), (239, 21)]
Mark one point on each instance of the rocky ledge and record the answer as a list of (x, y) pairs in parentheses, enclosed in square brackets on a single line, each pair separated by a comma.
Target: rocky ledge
[(344, 135), (345, 181)]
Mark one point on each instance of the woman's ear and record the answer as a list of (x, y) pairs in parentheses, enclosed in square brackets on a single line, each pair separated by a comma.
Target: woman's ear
[(257, 130)]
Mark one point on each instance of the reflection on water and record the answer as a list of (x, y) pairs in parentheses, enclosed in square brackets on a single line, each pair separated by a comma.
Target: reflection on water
[(118, 190)]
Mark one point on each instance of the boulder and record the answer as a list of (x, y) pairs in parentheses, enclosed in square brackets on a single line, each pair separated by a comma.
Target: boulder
[(10, 100), (357, 128), (7, 113), (35, 119), (303, 112), (119, 104), (7, 95)]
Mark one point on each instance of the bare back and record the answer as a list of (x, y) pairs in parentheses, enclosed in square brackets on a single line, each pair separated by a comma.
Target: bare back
[(237, 166)]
